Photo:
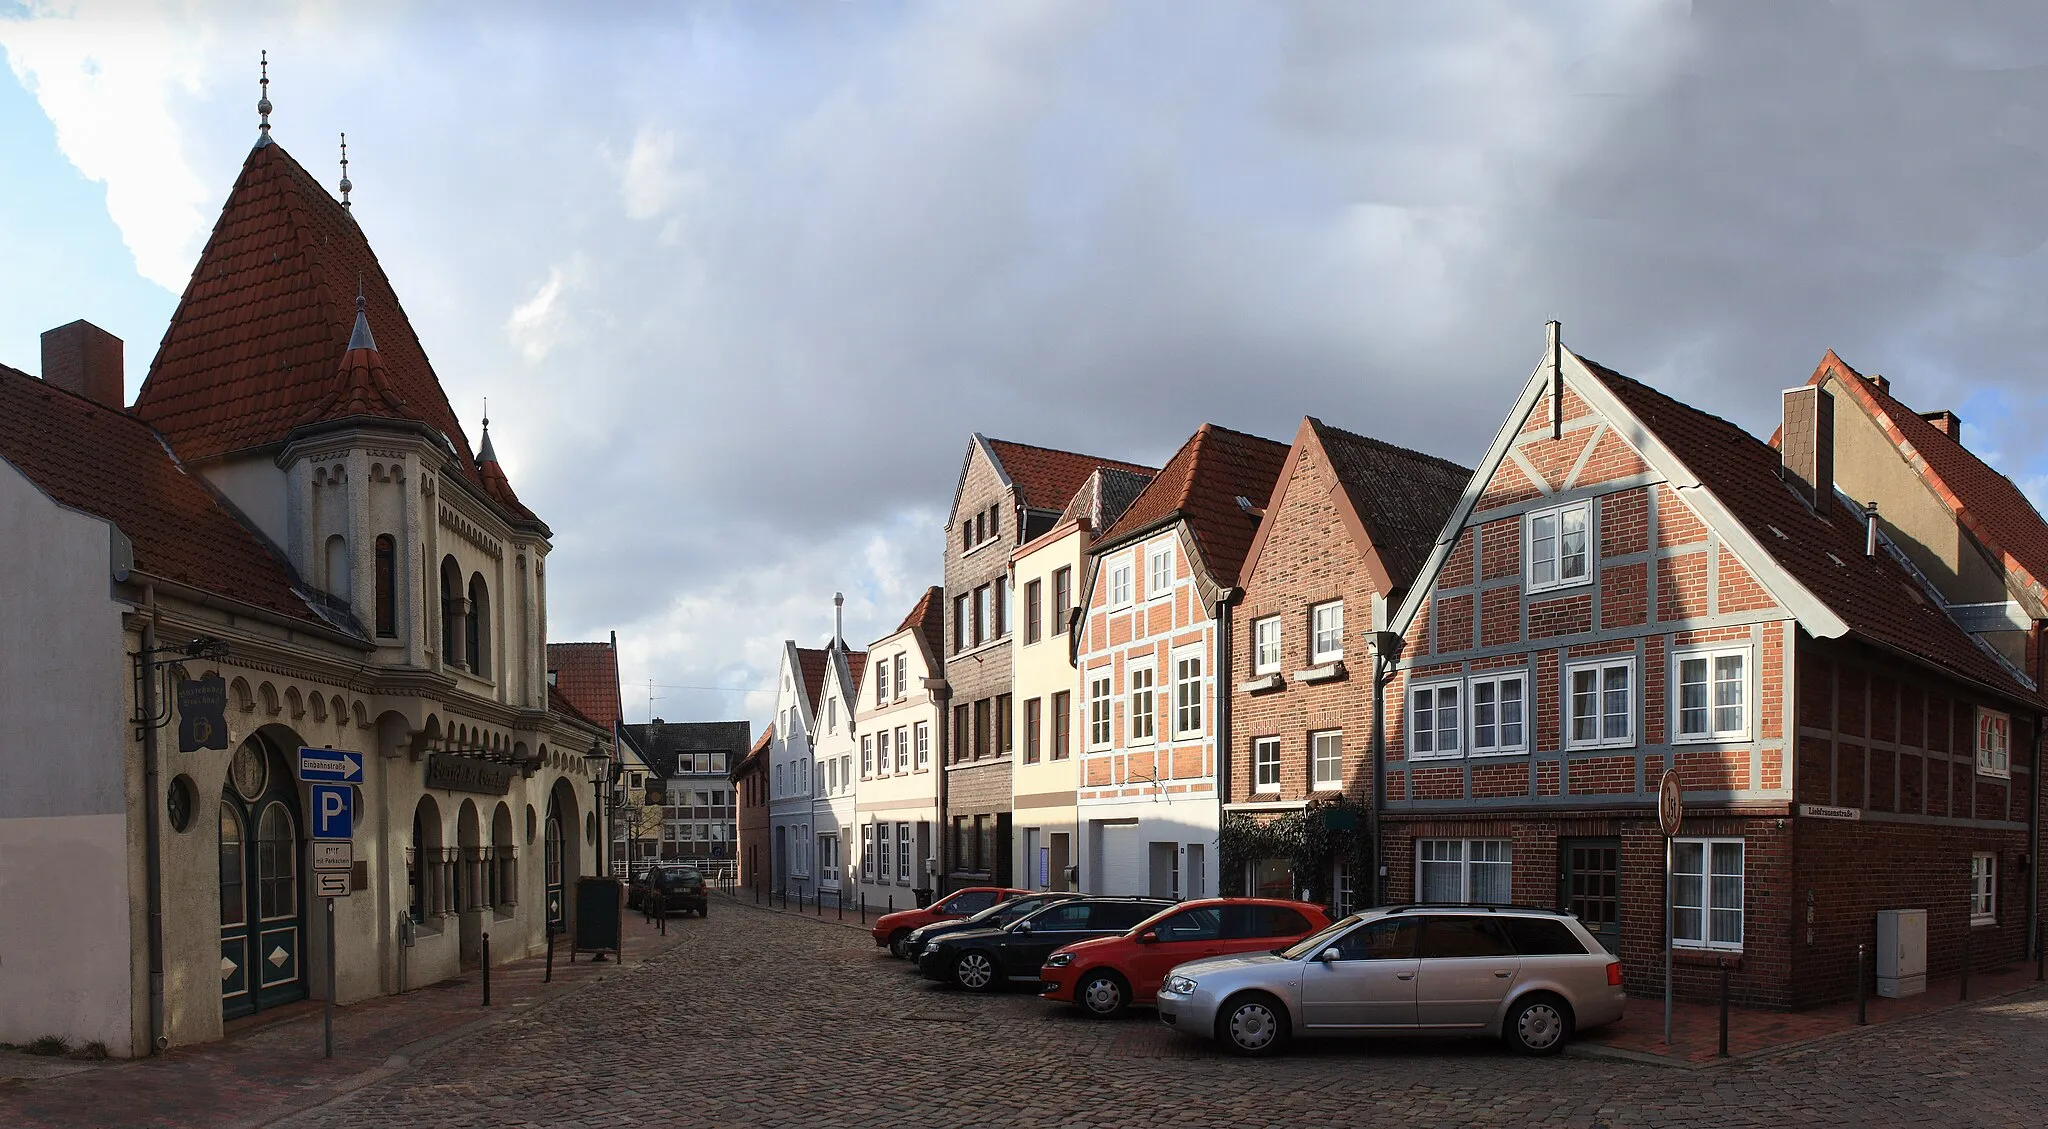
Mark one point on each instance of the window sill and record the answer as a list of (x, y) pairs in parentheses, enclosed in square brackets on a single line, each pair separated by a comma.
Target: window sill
[(1989, 775), (1560, 586), (1691, 956), (1326, 672), (1984, 922), (1496, 754), (1741, 738), (1617, 746), (1427, 757)]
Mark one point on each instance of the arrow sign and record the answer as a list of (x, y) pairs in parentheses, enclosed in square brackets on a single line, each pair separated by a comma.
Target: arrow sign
[(330, 766)]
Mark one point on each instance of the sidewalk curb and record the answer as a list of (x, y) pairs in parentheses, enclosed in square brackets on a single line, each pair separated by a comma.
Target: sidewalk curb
[(1623, 1054), (850, 923), (410, 1054)]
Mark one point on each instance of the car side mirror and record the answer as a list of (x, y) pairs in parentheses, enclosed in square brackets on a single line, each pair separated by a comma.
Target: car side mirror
[(1329, 955), (1148, 937), (1023, 927)]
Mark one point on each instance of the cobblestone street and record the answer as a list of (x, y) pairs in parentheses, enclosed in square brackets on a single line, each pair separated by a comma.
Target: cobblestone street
[(762, 1019)]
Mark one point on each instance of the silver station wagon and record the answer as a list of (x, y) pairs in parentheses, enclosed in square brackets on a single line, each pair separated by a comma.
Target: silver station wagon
[(1530, 976)]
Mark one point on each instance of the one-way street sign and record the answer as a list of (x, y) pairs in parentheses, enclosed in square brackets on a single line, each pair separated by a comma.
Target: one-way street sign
[(330, 766)]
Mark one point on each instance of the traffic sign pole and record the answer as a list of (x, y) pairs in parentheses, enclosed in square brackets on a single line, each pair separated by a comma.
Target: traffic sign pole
[(1670, 817), (332, 773), (327, 1019)]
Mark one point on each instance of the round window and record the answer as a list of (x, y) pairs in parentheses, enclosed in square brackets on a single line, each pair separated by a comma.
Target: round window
[(250, 770), (178, 804)]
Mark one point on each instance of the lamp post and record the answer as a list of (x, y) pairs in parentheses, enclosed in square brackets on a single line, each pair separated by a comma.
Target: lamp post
[(595, 762)]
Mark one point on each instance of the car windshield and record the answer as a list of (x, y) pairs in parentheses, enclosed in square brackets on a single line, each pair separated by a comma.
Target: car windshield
[(1010, 908), (1314, 942)]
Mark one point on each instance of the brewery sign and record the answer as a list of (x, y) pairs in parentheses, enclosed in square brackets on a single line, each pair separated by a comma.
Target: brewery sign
[(458, 773)]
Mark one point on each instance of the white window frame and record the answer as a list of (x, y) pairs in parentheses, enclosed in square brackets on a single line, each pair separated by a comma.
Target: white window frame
[(902, 676), (1600, 666), (1265, 764), (1713, 732), (1148, 710), (1465, 860), (1556, 515), (1318, 653), (1156, 585), (1316, 741), (881, 682), (1266, 651), (885, 758), (903, 875), (902, 749), (867, 755), (1120, 585), (1983, 888), (1099, 709), (1436, 690), (867, 852), (882, 871), (1707, 906), (1189, 697), (1497, 680), (924, 744), (1994, 743)]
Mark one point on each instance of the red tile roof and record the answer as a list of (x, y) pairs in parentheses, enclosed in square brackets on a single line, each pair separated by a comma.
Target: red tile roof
[(495, 483), (752, 760), (1201, 484), (109, 464), (1047, 479), (1878, 599), (928, 620), (811, 663), (587, 675), (559, 703), (1402, 497), (856, 665), (252, 349), (1995, 511)]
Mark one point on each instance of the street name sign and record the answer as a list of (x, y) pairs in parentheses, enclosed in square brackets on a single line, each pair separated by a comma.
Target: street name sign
[(330, 766)]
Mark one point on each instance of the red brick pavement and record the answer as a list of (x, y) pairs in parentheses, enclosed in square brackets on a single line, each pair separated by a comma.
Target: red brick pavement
[(1695, 1028), (270, 1068)]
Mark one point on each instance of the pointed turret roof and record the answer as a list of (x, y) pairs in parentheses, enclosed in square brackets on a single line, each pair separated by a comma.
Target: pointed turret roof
[(494, 481), (250, 354)]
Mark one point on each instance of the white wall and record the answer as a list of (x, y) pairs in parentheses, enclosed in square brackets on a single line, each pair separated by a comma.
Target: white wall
[(65, 927)]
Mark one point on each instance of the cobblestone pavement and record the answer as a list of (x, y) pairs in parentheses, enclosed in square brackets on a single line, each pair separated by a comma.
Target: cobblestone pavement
[(766, 1020)]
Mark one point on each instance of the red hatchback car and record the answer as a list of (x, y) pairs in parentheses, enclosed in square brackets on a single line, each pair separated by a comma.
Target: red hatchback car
[(1107, 976), (891, 928)]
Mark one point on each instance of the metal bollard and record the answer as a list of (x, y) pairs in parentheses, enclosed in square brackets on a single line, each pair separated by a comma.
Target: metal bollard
[(892, 903), (840, 899), (1964, 988), (548, 977), (1862, 1020), (487, 970), (863, 907), (1724, 1009), (817, 903), (2041, 949)]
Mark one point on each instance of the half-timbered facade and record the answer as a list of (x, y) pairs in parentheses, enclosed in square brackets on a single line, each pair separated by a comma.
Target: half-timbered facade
[(1148, 650), (1630, 585)]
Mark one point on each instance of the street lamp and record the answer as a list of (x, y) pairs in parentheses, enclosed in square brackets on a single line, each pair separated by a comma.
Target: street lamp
[(594, 763)]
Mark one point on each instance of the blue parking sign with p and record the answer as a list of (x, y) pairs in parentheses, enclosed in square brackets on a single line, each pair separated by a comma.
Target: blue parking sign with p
[(333, 812)]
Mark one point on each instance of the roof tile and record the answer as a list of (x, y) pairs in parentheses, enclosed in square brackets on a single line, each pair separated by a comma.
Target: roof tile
[(1201, 484), (1046, 478), (587, 674)]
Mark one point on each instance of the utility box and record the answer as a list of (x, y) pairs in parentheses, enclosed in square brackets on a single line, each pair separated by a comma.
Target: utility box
[(1901, 952)]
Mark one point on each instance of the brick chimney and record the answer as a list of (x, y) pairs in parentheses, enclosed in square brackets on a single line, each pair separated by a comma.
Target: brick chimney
[(83, 358), (1807, 445), (1946, 422)]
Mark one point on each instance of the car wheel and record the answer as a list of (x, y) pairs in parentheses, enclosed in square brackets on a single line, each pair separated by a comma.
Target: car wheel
[(1253, 1025), (1539, 1025), (896, 940), (975, 972), (1103, 994)]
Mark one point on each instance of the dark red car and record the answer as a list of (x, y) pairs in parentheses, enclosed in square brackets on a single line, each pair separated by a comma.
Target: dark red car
[(1107, 976), (891, 928)]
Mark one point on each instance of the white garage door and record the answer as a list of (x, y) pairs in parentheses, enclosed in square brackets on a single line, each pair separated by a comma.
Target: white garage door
[(1118, 869)]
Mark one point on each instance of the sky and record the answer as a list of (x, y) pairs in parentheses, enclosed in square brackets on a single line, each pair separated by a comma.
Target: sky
[(740, 279)]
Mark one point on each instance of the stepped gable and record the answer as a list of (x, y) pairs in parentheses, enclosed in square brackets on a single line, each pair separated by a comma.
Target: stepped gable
[(104, 462), (250, 354), (1402, 497), (1201, 483), (1875, 596)]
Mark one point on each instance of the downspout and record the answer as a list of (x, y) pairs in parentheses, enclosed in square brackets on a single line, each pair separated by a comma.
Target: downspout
[(153, 861), (2034, 806), (1223, 745), (943, 833)]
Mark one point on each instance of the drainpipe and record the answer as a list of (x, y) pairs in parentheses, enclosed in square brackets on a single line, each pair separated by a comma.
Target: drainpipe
[(943, 833), (1386, 652), (2034, 804), (152, 808), (1223, 745)]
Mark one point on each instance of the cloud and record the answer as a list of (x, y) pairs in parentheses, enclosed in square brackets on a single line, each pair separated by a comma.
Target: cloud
[(767, 266)]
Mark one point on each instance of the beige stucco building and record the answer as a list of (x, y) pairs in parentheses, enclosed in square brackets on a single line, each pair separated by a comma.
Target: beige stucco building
[(290, 520), (898, 710)]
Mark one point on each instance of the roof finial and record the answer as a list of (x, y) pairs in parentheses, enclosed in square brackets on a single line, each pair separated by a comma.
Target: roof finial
[(263, 105), (485, 452), (345, 185), (361, 339)]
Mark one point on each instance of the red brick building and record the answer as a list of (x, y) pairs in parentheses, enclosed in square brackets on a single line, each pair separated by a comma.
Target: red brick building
[(750, 794), (1349, 522), (1630, 585)]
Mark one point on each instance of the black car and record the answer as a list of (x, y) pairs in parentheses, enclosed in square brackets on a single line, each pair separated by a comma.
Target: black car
[(982, 960), (666, 889), (994, 917)]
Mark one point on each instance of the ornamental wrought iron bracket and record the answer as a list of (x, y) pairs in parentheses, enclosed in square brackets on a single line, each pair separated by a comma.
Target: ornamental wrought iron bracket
[(160, 663)]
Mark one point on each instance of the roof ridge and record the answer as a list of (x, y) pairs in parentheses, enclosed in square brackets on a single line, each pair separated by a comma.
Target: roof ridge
[(1383, 445)]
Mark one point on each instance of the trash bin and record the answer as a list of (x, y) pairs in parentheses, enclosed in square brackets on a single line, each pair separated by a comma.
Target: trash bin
[(923, 895)]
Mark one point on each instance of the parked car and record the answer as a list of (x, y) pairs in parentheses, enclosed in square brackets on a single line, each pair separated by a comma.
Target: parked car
[(1000, 914), (635, 886), (666, 889), (891, 929), (1108, 976), (1533, 977), (982, 960)]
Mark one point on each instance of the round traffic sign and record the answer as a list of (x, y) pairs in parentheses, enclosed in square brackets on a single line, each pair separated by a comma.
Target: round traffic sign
[(1670, 802)]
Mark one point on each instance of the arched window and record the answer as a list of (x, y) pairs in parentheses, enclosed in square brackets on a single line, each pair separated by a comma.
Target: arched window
[(387, 586), (476, 634), (452, 612), (427, 875), (337, 568), (504, 860)]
